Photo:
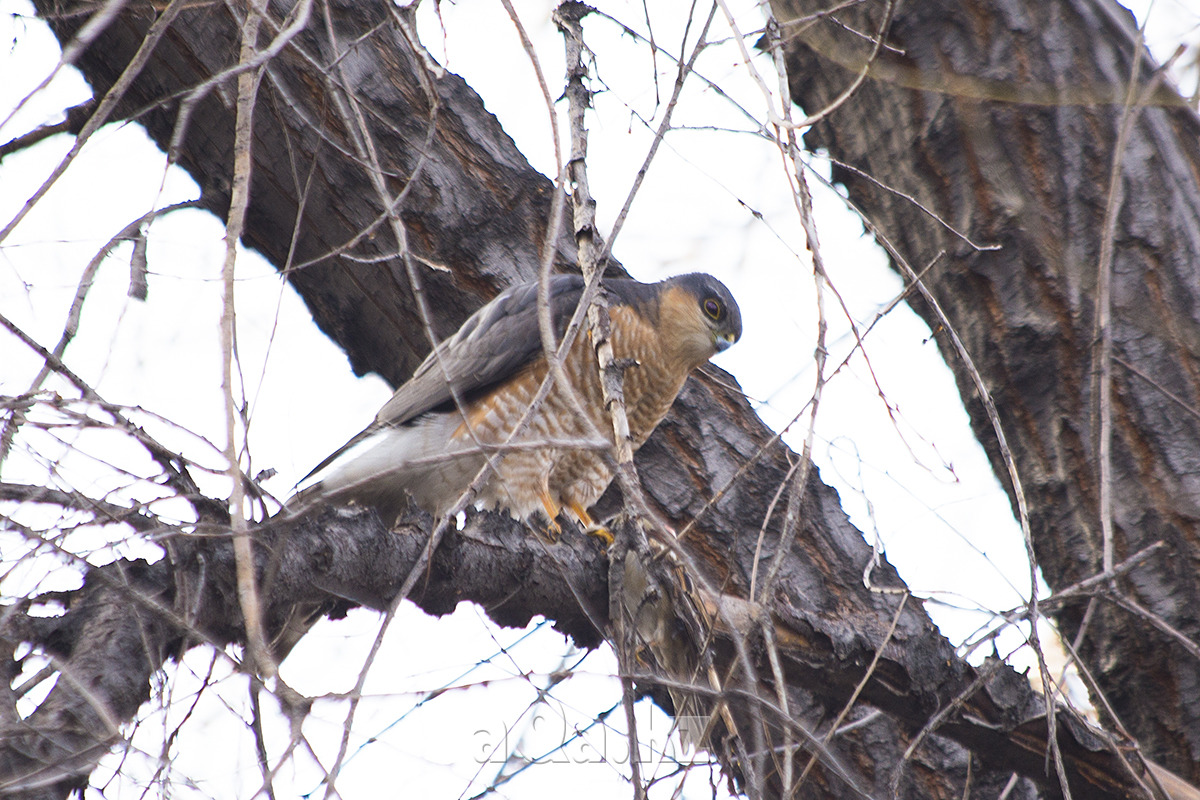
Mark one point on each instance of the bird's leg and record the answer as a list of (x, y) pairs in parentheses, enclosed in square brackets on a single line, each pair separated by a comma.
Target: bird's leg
[(590, 525), (552, 509)]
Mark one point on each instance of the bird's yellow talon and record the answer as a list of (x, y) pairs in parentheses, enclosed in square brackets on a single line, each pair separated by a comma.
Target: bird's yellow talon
[(602, 533), (553, 529), (590, 526)]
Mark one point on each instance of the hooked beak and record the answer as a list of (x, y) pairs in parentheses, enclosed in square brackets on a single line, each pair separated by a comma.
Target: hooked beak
[(723, 341)]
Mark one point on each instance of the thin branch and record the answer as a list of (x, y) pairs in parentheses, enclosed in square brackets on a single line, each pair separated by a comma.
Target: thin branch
[(569, 19), (1134, 102), (299, 16), (71, 326), (790, 151), (258, 657), (107, 104), (104, 511), (835, 728), (73, 120), (914, 201), (784, 121), (74, 49)]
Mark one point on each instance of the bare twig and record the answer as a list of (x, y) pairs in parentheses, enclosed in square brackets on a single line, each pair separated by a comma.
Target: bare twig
[(73, 50), (74, 118), (835, 728), (790, 150), (71, 326), (297, 20), (173, 464), (936, 217), (1134, 102), (568, 17), (1131, 753), (106, 106), (783, 121), (257, 656), (103, 510)]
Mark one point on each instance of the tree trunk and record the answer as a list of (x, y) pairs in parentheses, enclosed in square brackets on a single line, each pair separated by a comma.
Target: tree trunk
[(1003, 119), (475, 214)]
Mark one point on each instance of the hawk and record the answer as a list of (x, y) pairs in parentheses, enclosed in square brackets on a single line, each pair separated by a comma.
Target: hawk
[(461, 406)]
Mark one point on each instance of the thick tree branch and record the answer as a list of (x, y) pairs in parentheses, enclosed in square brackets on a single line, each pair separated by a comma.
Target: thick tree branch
[(331, 561), (1004, 119)]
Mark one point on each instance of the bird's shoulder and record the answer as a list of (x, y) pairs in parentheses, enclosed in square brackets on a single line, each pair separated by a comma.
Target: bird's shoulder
[(495, 343)]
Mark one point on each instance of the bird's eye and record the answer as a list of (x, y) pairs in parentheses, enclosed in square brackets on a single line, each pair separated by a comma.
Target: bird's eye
[(712, 307)]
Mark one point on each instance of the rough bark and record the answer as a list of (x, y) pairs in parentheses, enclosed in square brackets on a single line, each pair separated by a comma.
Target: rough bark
[(1002, 118), (476, 209)]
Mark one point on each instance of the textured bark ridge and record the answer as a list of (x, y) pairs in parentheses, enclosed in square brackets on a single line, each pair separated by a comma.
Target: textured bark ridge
[(1002, 118), (475, 214)]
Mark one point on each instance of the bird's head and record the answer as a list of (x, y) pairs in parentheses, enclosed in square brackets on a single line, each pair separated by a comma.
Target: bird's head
[(702, 315)]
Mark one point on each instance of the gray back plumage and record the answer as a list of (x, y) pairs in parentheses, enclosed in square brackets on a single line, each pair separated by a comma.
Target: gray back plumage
[(493, 344)]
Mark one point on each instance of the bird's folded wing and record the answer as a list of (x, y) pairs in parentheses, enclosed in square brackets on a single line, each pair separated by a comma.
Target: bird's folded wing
[(492, 345)]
